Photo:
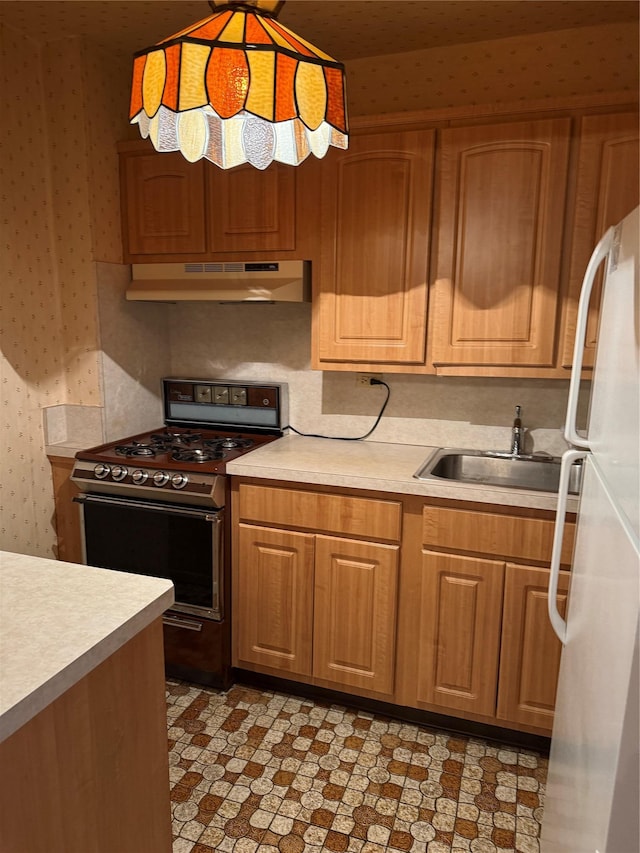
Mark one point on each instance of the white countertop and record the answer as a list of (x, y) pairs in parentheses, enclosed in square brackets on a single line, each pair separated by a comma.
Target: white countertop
[(58, 621), (372, 465)]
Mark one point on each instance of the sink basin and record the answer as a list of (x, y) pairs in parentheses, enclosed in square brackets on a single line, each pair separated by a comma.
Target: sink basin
[(538, 473)]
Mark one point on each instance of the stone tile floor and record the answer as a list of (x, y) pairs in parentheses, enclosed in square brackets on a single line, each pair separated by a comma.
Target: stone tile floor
[(255, 770)]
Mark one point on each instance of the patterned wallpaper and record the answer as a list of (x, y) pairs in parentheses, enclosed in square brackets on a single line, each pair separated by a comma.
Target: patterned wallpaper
[(568, 62), (62, 115), (32, 361), (60, 175)]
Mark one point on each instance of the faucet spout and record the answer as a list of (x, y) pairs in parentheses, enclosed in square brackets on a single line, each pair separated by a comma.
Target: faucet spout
[(517, 434)]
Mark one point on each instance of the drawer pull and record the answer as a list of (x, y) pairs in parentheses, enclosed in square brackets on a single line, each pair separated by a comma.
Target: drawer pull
[(180, 622)]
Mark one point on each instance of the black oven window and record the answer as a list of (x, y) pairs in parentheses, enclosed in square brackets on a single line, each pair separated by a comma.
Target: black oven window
[(155, 543)]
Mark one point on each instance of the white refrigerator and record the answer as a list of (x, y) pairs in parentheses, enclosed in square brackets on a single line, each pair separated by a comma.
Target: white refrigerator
[(592, 799)]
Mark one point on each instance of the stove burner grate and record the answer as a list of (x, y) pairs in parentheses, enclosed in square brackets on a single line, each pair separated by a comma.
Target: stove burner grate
[(136, 448), (228, 443), (196, 454), (168, 439)]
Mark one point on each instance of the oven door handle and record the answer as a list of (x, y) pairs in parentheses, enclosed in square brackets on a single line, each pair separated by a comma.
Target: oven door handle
[(173, 621), (171, 509)]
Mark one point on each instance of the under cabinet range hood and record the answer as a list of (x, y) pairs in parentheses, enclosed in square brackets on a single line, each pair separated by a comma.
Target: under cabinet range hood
[(253, 281)]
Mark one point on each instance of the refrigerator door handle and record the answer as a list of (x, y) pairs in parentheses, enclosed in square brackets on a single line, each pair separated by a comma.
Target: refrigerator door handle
[(600, 253), (557, 622)]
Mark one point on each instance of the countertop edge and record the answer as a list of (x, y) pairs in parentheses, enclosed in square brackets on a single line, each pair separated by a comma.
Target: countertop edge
[(495, 495), (32, 704)]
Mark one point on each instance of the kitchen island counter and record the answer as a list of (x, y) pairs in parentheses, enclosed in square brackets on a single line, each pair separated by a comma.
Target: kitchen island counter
[(376, 466), (58, 621), (83, 727)]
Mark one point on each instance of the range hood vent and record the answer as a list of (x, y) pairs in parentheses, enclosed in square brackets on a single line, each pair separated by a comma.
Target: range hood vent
[(253, 281)]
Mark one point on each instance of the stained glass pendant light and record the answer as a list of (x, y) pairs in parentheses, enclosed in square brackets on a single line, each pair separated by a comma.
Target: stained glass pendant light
[(239, 87)]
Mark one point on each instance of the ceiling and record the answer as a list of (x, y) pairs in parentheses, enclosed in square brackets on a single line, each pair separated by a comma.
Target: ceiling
[(346, 29)]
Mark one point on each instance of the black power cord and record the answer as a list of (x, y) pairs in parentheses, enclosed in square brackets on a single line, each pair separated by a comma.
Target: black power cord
[(372, 381)]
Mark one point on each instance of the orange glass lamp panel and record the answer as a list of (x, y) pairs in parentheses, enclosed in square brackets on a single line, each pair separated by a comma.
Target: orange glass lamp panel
[(285, 107), (227, 81), (336, 109), (136, 86), (255, 33), (171, 84)]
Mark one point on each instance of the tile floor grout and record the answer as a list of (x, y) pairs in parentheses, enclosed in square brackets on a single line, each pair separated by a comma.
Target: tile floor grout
[(259, 771)]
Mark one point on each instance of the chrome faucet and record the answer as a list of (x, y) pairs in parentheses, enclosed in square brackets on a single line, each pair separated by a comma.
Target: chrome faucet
[(517, 434)]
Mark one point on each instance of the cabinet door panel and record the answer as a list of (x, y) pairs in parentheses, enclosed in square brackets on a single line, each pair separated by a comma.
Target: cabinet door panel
[(376, 207), (355, 613), (530, 655), (251, 210), (459, 632), (275, 600), (608, 182), (163, 200), (500, 238)]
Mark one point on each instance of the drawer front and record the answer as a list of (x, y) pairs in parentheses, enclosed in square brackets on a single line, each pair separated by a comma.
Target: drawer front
[(492, 533), (324, 513)]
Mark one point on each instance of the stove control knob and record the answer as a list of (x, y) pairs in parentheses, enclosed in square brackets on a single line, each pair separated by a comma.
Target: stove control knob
[(119, 472), (101, 471), (139, 477), (160, 478), (179, 481)]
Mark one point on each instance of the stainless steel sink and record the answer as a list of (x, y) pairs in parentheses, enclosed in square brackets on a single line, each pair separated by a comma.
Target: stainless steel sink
[(537, 472)]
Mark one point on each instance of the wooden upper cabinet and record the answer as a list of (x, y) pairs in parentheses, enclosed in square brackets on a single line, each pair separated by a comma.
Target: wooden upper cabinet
[(251, 210), (176, 211), (370, 301), (607, 190), (502, 200), (162, 205)]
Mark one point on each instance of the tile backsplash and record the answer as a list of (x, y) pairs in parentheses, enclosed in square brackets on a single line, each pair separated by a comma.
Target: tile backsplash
[(273, 342)]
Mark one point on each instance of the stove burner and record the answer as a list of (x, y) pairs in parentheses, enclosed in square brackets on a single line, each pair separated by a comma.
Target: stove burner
[(228, 443), (196, 454), (169, 438), (136, 448)]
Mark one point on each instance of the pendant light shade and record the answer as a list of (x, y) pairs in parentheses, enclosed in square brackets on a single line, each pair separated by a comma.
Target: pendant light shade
[(239, 87)]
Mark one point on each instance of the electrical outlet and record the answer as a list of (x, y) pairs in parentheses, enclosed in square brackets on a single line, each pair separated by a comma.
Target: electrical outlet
[(365, 378)]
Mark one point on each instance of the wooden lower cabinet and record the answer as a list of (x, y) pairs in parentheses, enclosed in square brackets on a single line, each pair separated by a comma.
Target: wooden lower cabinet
[(319, 604), (474, 637), (67, 521), (275, 608), (530, 655), (354, 626), (442, 614), (459, 632)]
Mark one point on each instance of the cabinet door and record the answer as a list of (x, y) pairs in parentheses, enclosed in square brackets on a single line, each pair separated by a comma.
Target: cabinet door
[(607, 191), (162, 205), (458, 632), (274, 614), (530, 653), (502, 199), (251, 210), (371, 303), (354, 631)]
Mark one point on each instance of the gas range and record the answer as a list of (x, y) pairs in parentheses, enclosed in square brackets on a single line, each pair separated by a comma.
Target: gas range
[(207, 424)]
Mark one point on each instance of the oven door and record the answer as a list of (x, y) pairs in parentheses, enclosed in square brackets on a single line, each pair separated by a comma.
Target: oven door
[(181, 543)]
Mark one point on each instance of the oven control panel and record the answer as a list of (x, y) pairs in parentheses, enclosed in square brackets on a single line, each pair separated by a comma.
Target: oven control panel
[(225, 403), (195, 487)]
